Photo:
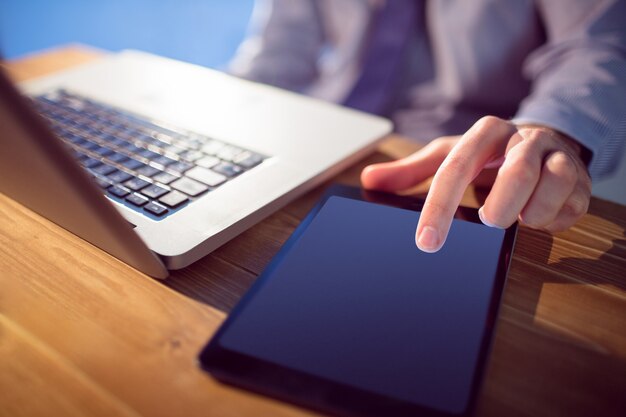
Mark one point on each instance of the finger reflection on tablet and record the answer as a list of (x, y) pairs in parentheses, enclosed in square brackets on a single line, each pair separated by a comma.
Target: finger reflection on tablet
[(408, 202), (413, 202)]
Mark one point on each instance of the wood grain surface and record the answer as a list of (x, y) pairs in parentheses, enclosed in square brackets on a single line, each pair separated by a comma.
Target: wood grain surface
[(83, 334)]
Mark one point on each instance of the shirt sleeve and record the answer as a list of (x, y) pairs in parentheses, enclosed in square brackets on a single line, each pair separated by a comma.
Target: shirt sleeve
[(579, 77), (285, 42)]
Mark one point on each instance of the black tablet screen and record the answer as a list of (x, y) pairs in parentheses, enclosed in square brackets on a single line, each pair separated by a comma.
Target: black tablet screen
[(354, 301)]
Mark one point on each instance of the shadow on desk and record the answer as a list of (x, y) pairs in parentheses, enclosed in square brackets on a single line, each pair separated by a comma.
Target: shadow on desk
[(548, 310)]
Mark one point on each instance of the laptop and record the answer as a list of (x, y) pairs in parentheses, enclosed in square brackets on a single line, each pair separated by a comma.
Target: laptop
[(160, 162)]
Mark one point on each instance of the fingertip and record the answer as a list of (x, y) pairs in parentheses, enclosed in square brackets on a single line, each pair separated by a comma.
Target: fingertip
[(386, 176), (485, 220), (428, 240), (368, 176)]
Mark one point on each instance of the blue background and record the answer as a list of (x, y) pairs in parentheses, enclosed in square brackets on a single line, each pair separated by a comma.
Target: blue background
[(205, 32)]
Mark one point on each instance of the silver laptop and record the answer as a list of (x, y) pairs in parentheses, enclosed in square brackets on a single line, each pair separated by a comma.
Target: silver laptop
[(159, 162)]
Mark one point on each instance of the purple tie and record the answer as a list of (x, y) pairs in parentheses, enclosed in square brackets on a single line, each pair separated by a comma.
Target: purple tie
[(389, 36)]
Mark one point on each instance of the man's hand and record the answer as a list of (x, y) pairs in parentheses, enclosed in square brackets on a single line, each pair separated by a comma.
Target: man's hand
[(541, 178)]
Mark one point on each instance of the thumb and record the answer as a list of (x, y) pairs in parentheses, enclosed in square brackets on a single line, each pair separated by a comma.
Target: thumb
[(407, 172)]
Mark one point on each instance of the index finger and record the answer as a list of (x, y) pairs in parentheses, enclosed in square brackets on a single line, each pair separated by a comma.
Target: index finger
[(485, 141)]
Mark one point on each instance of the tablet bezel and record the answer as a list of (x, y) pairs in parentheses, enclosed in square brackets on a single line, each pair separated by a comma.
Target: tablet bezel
[(322, 394)]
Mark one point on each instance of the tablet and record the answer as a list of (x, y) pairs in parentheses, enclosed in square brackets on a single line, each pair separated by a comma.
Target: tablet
[(350, 318)]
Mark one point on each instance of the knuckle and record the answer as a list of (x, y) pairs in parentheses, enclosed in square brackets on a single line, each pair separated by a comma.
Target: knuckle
[(576, 206), (489, 122), (536, 133), (519, 172), (534, 141), (563, 167), (537, 214)]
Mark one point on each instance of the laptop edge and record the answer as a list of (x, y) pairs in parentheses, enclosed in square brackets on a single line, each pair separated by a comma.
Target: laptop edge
[(38, 172)]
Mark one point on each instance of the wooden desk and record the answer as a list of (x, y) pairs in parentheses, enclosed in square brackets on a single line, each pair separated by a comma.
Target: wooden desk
[(83, 334)]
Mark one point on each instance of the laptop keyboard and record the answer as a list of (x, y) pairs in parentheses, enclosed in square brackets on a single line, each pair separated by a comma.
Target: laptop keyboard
[(149, 168)]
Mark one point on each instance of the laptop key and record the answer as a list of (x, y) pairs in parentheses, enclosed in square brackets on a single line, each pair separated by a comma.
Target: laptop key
[(212, 147), (162, 160), (148, 154), (132, 164), (206, 176), (173, 199), (79, 142), (129, 146), (208, 161), (148, 171), (189, 186), (89, 145), (115, 141), (117, 157), (180, 166), (137, 199), (132, 148), (228, 153), (227, 169), (102, 182), (176, 150), (71, 137), (191, 155), (102, 151), (248, 160), (103, 169), (188, 143), (119, 176), (154, 208), (165, 178), (136, 184), (146, 138), (77, 154), (90, 162), (154, 191), (118, 191), (107, 137)]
